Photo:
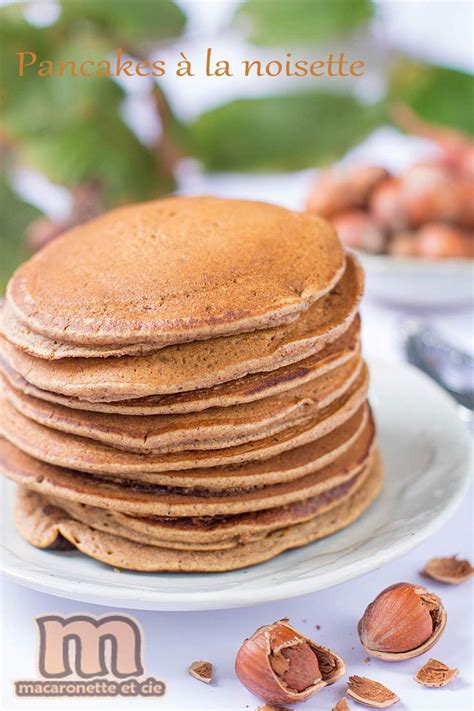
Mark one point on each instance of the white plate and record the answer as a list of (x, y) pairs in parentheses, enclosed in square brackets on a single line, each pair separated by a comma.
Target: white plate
[(411, 282), (426, 452)]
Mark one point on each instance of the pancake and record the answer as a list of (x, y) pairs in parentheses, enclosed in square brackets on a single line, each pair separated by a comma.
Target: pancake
[(214, 428), (70, 451), (286, 466), (234, 530), (235, 392), (193, 366), (52, 527), (34, 343), (150, 500), (176, 270)]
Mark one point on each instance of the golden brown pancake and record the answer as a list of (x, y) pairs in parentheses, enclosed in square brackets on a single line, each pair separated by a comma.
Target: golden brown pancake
[(235, 392), (37, 345), (88, 455), (48, 528), (176, 270), (233, 529), (213, 429), (286, 466), (192, 366), (149, 500)]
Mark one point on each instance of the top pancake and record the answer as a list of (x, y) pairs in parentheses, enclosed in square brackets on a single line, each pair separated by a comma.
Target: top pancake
[(202, 364), (177, 270)]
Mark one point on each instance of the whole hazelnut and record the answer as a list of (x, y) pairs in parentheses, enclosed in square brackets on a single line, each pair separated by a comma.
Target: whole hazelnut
[(430, 192), (329, 194), (403, 621), (356, 229), (282, 666), (403, 244), (385, 205), (438, 241), (363, 180)]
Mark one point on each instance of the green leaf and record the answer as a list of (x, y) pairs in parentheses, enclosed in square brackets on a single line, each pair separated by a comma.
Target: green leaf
[(281, 132), (128, 20), (15, 217), (279, 22), (52, 102), (105, 151), (437, 94), (70, 127), (17, 35)]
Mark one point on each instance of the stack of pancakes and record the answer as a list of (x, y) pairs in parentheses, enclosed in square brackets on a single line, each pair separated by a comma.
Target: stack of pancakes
[(182, 387)]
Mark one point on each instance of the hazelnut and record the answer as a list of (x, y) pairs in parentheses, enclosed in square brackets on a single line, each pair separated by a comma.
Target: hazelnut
[(282, 666), (339, 190), (403, 244), (363, 180), (329, 194), (403, 621), (386, 207), (438, 241), (356, 229), (430, 192)]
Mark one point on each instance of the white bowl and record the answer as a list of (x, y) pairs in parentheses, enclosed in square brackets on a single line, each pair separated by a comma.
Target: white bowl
[(413, 282)]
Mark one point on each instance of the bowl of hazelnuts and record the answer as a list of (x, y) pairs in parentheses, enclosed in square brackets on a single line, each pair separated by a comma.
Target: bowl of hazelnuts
[(414, 232)]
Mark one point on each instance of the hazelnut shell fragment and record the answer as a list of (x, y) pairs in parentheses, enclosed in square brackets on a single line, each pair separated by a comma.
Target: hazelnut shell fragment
[(202, 671), (451, 570), (435, 673), (341, 705), (283, 666), (402, 622), (371, 693)]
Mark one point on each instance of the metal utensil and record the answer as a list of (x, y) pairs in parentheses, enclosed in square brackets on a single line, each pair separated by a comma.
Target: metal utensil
[(451, 368)]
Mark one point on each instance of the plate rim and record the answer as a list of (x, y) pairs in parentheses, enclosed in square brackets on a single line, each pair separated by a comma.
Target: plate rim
[(126, 596)]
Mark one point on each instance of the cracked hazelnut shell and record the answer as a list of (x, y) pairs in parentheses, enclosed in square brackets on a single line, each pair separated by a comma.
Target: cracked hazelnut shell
[(402, 622), (434, 674), (283, 666), (370, 693), (451, 570)]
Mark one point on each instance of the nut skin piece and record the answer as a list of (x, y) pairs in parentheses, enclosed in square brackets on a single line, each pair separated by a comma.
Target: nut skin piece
[(341, 705), (434, 674), (282, 666), (202, 671), (403, 621), (370, 693), (451, 570)]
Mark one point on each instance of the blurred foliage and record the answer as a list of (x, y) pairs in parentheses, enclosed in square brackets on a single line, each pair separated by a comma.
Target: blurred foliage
[(71, 129), (279, 22), (132, 21), (437, 94), (281, 132), (16, 216)]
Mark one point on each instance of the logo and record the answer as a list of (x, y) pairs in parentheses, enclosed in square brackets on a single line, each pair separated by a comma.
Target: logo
[(84, 655)]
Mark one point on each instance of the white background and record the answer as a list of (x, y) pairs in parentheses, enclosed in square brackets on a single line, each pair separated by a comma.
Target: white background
[(438, 30)]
